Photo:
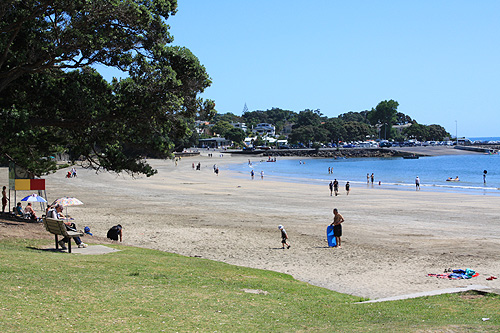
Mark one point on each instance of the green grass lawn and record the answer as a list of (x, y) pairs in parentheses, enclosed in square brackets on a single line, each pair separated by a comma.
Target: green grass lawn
[(141, 290)]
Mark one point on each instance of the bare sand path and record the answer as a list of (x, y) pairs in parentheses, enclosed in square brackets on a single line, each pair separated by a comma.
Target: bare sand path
[(392, 238)]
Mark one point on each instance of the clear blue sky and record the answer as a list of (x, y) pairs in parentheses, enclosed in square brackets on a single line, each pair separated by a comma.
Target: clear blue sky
[(439, 59)]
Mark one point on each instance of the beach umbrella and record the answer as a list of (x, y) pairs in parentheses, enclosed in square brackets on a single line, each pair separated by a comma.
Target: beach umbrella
[(34, 198), (67, 201)]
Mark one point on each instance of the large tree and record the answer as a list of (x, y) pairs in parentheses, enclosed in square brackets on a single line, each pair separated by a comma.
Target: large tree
[(235, 134), (336, 129), (356, 131), (355, 116), (438, 132), (46, 109), (384, 115), (41, 34), (308, 133), (308, 117), (221, 128)]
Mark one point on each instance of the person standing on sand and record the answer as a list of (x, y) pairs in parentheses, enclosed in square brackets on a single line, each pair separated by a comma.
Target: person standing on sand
[(417, 184), (337, 226), (367, 178), (262, 175), (4, 198), (252, 174), (347, 188), (336, 187), (372, 177), (331, 188), (284, 237)]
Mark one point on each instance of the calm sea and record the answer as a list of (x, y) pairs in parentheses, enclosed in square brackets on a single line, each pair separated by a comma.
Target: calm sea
[(395, 173)]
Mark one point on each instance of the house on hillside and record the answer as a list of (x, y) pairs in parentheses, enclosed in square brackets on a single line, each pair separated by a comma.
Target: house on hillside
[(241, 126), (202, 127), (264, 129)]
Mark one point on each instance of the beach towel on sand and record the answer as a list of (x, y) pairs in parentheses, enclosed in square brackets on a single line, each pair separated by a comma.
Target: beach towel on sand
[(457, 274)]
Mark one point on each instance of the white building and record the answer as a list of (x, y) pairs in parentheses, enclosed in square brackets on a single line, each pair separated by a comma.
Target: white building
[(264, 129), (242, 126)]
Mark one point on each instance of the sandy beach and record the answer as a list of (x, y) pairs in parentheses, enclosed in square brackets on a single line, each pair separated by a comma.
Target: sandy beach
[(391, 238)]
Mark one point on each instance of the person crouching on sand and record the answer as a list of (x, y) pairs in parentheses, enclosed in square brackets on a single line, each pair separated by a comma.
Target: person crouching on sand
[(284, 237)]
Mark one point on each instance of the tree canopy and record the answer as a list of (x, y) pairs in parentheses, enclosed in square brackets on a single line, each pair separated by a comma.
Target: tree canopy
[(40, 34), (236, 135), (48, 107), (276, 116), (426, 132), (355, 116), (384, 115)]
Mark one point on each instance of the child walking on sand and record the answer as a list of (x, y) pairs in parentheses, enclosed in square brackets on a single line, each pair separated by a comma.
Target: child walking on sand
[(284, 237)]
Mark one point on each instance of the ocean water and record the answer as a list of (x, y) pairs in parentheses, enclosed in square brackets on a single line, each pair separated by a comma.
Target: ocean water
[(485, 138), (395, 172)]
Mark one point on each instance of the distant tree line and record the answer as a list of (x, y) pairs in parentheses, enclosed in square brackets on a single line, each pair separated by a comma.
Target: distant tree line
[(312, 126)]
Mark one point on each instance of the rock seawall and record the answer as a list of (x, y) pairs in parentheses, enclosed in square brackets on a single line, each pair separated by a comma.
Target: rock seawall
[(326, 153)]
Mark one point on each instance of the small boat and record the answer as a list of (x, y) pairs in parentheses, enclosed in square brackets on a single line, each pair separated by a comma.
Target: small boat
[(411, 157)]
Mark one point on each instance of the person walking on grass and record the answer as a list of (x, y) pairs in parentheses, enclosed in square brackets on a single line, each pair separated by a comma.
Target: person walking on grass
[(337, 226), (284, 237)]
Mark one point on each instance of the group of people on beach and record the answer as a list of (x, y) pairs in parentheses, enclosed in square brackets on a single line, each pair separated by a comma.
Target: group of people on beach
[(27, 212), (337, 230), (370, 178), (72, 173), (334, 187), (55, 212)]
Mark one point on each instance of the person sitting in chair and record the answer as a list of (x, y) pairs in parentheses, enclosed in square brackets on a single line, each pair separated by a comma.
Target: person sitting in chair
[(56, 213)]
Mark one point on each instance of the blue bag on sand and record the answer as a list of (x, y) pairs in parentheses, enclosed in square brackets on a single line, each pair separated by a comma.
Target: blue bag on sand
[(87, 231)]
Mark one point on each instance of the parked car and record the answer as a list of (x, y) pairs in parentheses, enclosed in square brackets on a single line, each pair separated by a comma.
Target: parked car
[(383, 144)]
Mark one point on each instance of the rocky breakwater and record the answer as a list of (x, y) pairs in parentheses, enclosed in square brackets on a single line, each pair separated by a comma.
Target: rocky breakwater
[(332, 153)]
